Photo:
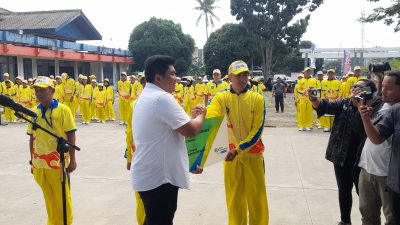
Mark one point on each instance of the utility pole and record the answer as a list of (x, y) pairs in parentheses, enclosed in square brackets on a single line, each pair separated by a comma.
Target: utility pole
[(362, 38)]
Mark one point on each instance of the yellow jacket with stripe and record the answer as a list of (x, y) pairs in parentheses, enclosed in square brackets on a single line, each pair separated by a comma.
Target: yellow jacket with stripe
[(303, 85), (130, 145), (245, 115), (331, 89)]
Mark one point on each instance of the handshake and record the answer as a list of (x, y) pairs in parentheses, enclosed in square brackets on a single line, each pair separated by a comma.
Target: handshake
[(199, 110)]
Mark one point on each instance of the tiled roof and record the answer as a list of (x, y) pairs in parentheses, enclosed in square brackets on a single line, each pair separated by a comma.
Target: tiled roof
[(36, 20)]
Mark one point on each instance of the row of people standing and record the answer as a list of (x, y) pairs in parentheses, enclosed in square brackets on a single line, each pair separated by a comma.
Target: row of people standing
[(327, 89)]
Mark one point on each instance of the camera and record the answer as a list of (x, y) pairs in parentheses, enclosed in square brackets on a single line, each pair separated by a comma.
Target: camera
[(365, 92), (314, 92), (380, 67)]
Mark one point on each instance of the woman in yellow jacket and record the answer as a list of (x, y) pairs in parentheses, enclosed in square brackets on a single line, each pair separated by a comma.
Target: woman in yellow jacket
[(199, 89), (25, 96), (85, 95), (101, 101), (59, 90), (189, 96), (110, 114), (92, 106), (246, 196)]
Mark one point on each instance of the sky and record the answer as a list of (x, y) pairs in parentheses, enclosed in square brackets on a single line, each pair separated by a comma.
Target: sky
[(333, 25)]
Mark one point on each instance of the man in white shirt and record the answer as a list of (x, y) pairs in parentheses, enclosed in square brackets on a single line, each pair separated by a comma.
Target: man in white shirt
[(161, 165), (374, 163)]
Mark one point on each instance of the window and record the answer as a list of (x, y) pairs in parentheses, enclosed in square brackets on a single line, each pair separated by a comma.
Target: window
[(27, 64), (108, 72), (84, 68), (45, 67), (67, 67), (8, 64)]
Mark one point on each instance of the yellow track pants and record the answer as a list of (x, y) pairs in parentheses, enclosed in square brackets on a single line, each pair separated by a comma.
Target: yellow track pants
[(85, 110), (9, 114), (305, 114), (140, 213), (49, 181), (92, 108), (110, 114), (74, 106), (327, 121), (245, 190), (123, 109), (101, 114)]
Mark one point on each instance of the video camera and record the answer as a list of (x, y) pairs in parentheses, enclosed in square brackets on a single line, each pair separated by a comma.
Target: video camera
[(380, 67)]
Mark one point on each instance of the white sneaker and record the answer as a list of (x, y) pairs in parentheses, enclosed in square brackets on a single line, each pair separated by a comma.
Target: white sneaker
[(308, 129), (301, 129), (112, 119), (327, 130), (319, 127), (122, 123)]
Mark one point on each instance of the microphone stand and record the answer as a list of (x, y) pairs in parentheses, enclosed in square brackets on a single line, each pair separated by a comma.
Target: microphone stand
[(62, 147)]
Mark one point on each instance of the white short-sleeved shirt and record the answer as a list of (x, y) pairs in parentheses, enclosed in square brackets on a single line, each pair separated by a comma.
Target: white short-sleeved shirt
[(161, 155), (375, 158)]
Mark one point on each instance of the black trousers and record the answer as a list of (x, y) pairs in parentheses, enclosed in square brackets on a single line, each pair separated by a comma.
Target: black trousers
[(279, 102), (346, 177), (160, 204), (394, 205)]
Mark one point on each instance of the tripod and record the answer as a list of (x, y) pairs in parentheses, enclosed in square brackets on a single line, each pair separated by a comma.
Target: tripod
[(62, 147)]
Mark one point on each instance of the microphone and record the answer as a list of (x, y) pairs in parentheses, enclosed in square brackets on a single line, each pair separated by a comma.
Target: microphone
[(8, 102)]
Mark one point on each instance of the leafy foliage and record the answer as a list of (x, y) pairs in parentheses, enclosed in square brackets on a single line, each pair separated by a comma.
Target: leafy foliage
[(163, 37), (230, 43), (206, 8), (390, 15)]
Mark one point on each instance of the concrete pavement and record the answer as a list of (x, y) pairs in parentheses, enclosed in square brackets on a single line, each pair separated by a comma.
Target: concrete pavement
[(300, 182)]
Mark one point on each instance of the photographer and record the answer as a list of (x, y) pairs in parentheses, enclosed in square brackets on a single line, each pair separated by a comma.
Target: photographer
[(346, 138), (387, 128)]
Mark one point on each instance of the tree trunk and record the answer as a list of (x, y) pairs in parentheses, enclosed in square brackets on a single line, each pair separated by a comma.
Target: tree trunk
[(206, 26), (268, 56)]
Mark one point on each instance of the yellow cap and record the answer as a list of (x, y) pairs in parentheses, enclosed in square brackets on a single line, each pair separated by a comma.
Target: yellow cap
[(217, 71), (30, 80), (357, 68), (106, 80), (84, 77), (43, 82), (331, 70), (64, 75), (320, 73), (238, 67), (6, 75), (306, 69), (123, 73)]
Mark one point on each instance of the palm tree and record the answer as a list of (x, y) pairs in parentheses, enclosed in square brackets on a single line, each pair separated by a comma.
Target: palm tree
[(207, 10)]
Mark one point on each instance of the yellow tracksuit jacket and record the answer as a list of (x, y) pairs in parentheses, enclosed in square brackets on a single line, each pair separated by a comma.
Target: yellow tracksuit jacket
[(59, 93), (92, 107), (189, 99), (212, 88), (13, 94), (69, 92), (178, 93), (199, 90), (305, 119), (331, 89), (100, 102), (25, 97), (244, 176)]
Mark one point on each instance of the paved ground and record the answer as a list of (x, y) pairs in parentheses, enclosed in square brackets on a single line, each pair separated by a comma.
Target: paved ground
[(300, 182)]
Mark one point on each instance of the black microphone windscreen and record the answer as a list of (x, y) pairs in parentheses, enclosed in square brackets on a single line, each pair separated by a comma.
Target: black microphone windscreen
[(20, 108), (6, 101)]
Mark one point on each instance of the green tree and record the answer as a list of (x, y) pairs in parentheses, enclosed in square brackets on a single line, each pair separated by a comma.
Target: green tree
[(272, 21), (163, 37), (206, 8), (230, 43), (196, 69), (389, 15), (395, 63)]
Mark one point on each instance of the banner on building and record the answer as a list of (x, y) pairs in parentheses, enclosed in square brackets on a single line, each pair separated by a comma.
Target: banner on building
[(312, 56), (347, 61), (210, 145)]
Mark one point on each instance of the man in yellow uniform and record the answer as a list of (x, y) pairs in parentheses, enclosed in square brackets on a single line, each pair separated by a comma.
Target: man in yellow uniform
[(25, 95), (244, 163), (110, 114), (256, 87), (59, 90), (356, 77), (345, 87), (69, 91), (101, 101), (85, 95), (141, 79), (55, 117), (92, 105), (305, 121), (11, 92), (6, 77), (189, 96), (296, 97), (124, 88), (214, 86), (178, 93), (78, 88), (331, 89), (199, 89), (320, 78), (130, 150)]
